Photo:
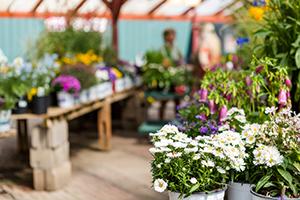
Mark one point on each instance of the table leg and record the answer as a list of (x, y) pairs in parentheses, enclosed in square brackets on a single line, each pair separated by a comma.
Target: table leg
[(162, 109), (104, 126), (23, 143)]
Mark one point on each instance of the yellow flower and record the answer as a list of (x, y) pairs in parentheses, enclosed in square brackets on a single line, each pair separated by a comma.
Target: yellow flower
[(150, 100), (4, 69), (31, 93), (87, 58), (67, 61), (117, 72), (257, 12)]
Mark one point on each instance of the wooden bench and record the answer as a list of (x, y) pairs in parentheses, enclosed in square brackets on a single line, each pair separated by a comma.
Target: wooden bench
[(49, 146)]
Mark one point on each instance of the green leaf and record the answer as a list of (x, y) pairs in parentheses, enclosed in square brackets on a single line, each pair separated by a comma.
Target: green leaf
[(194, 188), (297, 58), (262, 182), (286, 175), (297, 166)]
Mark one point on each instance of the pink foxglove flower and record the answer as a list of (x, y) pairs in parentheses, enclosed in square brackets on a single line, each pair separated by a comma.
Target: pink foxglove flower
[(203, 95), (212, 107), (288, 82), (282, 97), (222, 113), (248, 81), (259, 69)]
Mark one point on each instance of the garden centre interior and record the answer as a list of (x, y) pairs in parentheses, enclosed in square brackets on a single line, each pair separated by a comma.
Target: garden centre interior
[(149, 99)]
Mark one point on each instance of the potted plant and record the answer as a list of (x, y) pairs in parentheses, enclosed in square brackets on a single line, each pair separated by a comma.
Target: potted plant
[(276, 157), (104, 86), (86, 76), (195, 168), (41, 75), (7, 102), (67, 87)]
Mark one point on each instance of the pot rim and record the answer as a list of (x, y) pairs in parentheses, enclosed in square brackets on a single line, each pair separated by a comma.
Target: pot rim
[(266, 197), (206, 193)]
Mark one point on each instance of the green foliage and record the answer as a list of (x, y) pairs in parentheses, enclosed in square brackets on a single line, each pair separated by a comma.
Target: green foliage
[(230, 87), (154, 57), (156, 76), (69, 41), (85, 74)]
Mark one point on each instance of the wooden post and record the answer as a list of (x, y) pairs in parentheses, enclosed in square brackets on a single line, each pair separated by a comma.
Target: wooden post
[(104, 126), (115, 7)]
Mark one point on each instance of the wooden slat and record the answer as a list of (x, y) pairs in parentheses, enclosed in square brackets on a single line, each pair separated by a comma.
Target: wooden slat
[(10, 133), (77, 110)]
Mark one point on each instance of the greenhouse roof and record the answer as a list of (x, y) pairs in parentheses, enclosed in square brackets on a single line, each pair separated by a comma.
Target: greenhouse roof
[(205, 10)]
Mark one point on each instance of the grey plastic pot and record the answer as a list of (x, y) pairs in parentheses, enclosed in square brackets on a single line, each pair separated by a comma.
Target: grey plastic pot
[(217, 195), (239, 191), (256, 196)]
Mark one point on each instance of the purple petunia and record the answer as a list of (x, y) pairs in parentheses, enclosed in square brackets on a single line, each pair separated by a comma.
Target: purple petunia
[(203, 130), (67, 83)]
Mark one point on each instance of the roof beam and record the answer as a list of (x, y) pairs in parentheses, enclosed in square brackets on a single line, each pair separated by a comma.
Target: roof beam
[(156, 7), (214, 19), (74, 11), (36, 6), (188, 10), (191, 8)]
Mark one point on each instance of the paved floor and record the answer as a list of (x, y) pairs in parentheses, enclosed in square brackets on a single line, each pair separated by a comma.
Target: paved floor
[(120, 174)]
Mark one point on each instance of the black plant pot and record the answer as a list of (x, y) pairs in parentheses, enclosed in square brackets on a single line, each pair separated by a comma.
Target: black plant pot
[(39, 105), (21, 106), (53, 102)]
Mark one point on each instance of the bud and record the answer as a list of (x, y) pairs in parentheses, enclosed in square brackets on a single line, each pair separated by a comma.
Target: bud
[(259, 69), (212, 107), (2, 101), (222, 113), (248, 81), (203, 95), (282, 97), (288, 82)]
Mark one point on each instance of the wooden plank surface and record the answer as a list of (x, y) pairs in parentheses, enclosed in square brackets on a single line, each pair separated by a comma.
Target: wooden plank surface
[(77, 110), (120, 174), (10, 133)]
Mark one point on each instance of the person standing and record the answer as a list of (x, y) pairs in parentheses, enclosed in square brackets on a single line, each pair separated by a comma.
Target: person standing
[(172, 55)]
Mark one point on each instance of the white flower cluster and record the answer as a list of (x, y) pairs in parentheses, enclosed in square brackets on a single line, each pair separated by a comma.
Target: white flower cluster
[(249, 133), (237, 114), (267, 155), (227, 146)]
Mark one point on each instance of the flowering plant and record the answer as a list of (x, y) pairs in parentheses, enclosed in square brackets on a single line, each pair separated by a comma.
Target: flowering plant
[(265, 84), (66, 83), (189, 165), (14, 81), (273, 164), (85, 75)]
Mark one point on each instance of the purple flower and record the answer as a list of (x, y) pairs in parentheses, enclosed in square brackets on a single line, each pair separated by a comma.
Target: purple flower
[(67, 83), (222, 113), (248, 81), (288, 82), (203, 130), (213, 129), (202, 117), (212, 107), (282, 97), (242, 40), (203, 95)]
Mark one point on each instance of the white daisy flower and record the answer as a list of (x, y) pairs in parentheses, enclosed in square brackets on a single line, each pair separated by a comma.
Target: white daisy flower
[(160, 185), (193, 180)]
